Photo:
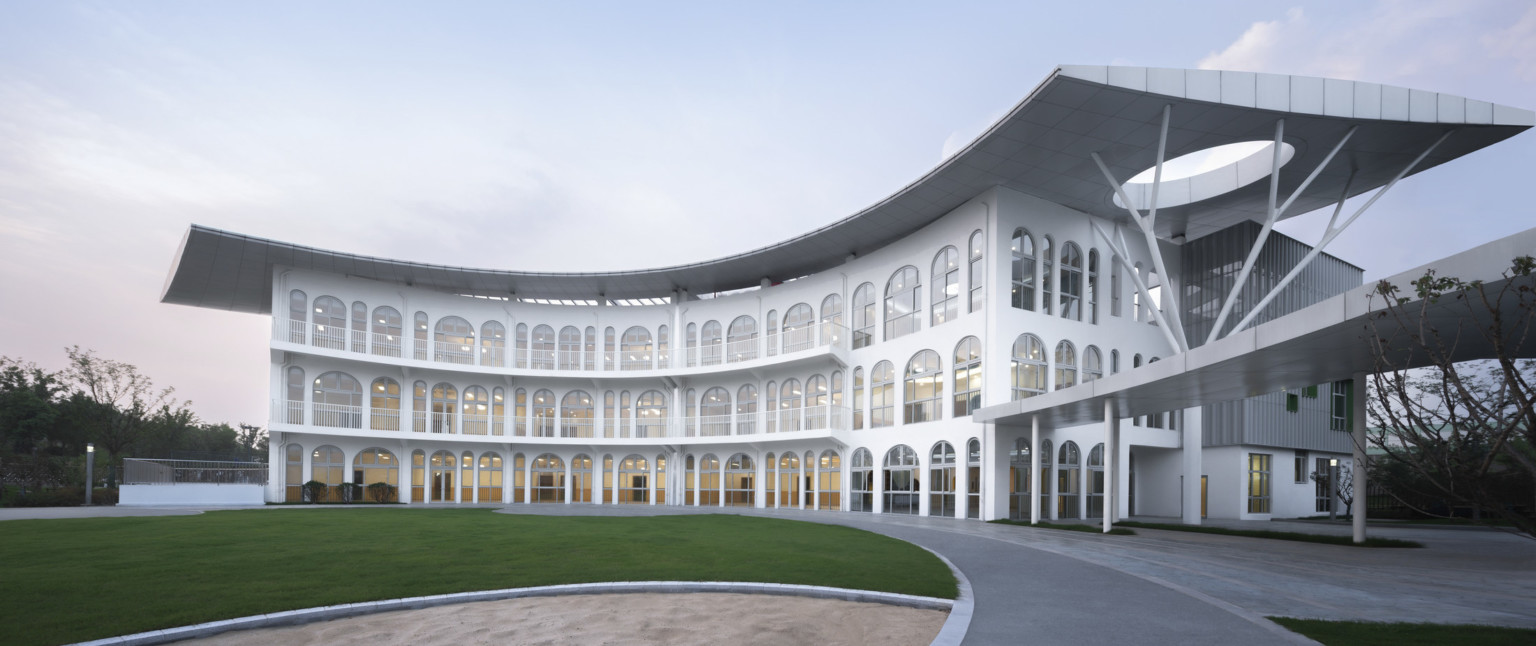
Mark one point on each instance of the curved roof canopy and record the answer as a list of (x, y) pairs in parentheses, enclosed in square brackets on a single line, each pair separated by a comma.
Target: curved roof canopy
[(1041, 148)]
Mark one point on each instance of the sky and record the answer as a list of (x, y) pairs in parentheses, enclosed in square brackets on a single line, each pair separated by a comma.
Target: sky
[(585, 136)]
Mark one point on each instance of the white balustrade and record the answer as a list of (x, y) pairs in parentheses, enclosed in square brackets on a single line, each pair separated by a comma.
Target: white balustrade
[(337, 416), (384, 419)]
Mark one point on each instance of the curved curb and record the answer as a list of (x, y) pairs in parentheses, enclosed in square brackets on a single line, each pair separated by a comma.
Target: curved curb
[(959, 621), (324, 613)]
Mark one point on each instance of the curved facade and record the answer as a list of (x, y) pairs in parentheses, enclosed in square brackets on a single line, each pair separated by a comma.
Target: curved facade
[(850, 387)]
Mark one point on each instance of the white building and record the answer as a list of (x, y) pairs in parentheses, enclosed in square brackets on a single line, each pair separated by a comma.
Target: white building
[(840, 369)]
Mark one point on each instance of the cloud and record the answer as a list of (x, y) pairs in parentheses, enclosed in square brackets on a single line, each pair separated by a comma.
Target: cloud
[(1259, 46), (1518, 42)]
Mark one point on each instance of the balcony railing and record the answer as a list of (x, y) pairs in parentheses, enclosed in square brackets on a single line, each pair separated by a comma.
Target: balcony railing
[(636, 362), (476, 424), (338, 416), (799, 338), (386, 345), (384, 419), (741, 350), (446, 352)]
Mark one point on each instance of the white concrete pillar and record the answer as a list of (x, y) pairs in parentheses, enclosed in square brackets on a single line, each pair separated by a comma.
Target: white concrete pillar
[(1111, 451), (963, 477), (1358, 418), (922, 483), (1033, 479), (568, 474), (877, 486), (1191, 453), (759, 485), (1053, 501), (994, 474), (474, 492), (650, 480), (814, 468)]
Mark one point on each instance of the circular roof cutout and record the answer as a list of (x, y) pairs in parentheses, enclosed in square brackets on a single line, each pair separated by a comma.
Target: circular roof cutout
[(1207, 173)]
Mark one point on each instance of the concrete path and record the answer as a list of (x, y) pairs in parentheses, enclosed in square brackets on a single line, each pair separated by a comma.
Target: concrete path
[(1052, 586)]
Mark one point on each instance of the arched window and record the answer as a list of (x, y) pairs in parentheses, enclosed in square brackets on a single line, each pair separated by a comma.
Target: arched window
[(1136, 360), (973, 479), (293, 473), (419, 352), (863, 315), (359, 327), (625, 428), (542, 356), (1023, 250), (1096, 481), (799, 328), (498, 411), (520, 412), (338, 401), (978, 272), (568, 348), (384, 405), (815, 402), (1071, 281), (522, 345), (1047, 270), (861, 483), (787, 485), (590, 352), (967, 376), (419, 407), (1115, 269), (710, 343), (386, 331), (1028, 366), (477, 411), (651, 414), (882, 395), (789, 406), (493, 344), (715, 412), (772, 332), (543, 413), (663, 355), (692, 342), (634, 481), (330, 323), (581, 478), (945, 296), (709, 480), (454, 341), (941, 481), (1046, 456), (746, 410), (835, 413), (1093, 364), (829, 481), (903, 303), (298, 316), (900, 478), (1066, 365), (1067, 490), (1114, 362), (1019, 465), (832, 332), (771, 407), (740, 474), (296, 385), (858, 398), (548, 473), (610, 347), (636, 349), (576, 414), (490, 478), (741, 340), (326, 466), (924, 394), (445, 406), (377, 466), (1093, 286)]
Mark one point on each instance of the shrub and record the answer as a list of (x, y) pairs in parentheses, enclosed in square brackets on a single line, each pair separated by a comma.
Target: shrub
[(62, 497), (382, 492), (314, 491), (349, 492)]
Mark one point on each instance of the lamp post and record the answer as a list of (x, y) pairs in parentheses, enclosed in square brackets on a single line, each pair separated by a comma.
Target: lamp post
[(1333, 489), (90, 469)]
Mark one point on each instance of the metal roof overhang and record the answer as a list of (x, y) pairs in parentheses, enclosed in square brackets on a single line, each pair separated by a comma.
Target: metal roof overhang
[(1041, 148), (1319, 344)]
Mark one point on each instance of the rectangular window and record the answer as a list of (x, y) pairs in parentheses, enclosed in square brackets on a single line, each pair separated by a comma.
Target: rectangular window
[(1310, 392), (1258, 483), (1292, 402), (1324, 474), (1301, 467), (1341, 400)]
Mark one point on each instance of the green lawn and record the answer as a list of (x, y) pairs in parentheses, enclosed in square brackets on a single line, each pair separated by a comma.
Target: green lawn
[(74, 580), (1365, 633)]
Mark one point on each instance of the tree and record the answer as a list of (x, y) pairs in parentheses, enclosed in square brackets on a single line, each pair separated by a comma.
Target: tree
[(29, 409), (1461, 433), (126, 397), (1344, 488)]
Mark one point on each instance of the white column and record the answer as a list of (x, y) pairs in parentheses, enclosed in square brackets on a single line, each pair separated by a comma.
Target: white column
[(815, 470), (474, 492), (963, 475), (1357, 416), (650, 480), (923, 482), (720, 487), (1190, 451), (994, 465), (568, 474), (528, 479), (1033, 479), (877, 484), (800, 488), (1111, 450)]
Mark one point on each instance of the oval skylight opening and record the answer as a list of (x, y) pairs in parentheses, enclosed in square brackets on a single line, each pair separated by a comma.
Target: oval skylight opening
[(1204, 174)]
